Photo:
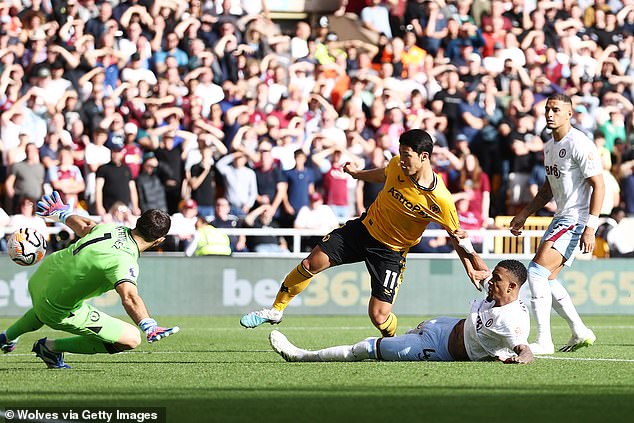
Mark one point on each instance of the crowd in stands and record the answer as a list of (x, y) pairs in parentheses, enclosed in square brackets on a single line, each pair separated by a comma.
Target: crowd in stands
[(215, 113)]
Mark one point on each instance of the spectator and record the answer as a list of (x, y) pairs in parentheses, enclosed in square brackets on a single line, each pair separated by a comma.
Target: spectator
[(375, 18), (239, 181), (330, 162), (183, 228), (150, 188), (223, 219), (208, 241), (133, 155), (66, 178), (97, 154), (262, 218), (25, 179), (120, 214), (476, 191), (297, 184), (202, 182), (237, 80), (268, 175), (26, 218), (114, 183), (171, 154), (317, 216), (366, 192)]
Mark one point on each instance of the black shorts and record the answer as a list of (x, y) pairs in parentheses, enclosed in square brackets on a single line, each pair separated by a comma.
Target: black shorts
[(352, 243)]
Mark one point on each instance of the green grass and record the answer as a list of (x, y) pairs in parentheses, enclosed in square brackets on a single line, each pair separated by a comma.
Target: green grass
[(216, 371)]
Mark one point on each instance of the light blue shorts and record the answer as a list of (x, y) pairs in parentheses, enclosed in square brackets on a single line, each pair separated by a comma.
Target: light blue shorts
[(565, 234), (431, 344)]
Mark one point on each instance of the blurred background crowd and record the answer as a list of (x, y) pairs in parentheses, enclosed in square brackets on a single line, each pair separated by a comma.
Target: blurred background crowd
[(225, 117)]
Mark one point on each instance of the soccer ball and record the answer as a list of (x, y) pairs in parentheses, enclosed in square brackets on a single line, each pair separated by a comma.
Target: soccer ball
[(26, 246)]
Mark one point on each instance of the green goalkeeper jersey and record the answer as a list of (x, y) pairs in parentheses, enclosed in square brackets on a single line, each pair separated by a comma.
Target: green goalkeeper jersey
[(94, 264)]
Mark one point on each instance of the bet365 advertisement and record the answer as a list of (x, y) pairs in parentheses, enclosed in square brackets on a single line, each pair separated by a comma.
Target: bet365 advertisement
[(234, 285)]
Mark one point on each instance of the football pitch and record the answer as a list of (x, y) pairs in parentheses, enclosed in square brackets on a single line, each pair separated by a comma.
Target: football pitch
[(214, 370)]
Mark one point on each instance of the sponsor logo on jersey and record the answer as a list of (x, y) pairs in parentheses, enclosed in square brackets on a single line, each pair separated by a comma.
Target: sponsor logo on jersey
[(416, 208), (562, 153), (552, 171)]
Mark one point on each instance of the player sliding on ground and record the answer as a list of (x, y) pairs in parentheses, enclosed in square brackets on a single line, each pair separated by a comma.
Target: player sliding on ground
[(412, 197), (496, 328), (103, 258)]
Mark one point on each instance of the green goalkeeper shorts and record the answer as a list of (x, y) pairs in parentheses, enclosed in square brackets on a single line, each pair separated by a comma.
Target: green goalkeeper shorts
[(87, 320)]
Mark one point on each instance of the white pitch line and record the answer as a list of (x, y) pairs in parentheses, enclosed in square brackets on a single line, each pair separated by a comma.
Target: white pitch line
[(330, 328), (617, 360)]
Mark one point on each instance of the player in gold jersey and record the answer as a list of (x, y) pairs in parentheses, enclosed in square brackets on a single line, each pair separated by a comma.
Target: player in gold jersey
[(412, 197)]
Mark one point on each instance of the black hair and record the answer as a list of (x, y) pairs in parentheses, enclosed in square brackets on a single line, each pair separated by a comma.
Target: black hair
[(153, 224), (420, 141), (516, 268), (560, 97)]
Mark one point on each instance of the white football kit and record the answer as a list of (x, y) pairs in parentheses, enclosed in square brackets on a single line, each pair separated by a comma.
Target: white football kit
[(569, 162), (489, 332), (494, 331)]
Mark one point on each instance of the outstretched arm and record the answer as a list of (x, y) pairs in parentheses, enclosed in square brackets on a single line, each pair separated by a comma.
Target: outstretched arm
[(53, 208), (475, 267), (370, 175), (80, 225), (135, 307)]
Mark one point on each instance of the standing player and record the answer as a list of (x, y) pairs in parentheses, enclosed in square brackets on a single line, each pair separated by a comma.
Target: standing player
[(104, 258), (412, 197), (574, 179), (496, 328)]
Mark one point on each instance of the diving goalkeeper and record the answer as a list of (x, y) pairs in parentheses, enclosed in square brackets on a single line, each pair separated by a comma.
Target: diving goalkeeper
[(104, 257)]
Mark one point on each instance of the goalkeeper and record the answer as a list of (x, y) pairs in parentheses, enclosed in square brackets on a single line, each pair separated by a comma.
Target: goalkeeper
[(104, 257)]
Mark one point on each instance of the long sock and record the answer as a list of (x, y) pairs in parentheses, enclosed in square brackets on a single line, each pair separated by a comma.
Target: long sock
[(82, 345), (294, 283), (388, 328), (541, 301), (359, 351), (562, 303), (27, 323)]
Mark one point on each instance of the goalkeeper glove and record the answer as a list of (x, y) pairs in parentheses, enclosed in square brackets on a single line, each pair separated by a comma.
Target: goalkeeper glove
[(53, 208), (154, 332)]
